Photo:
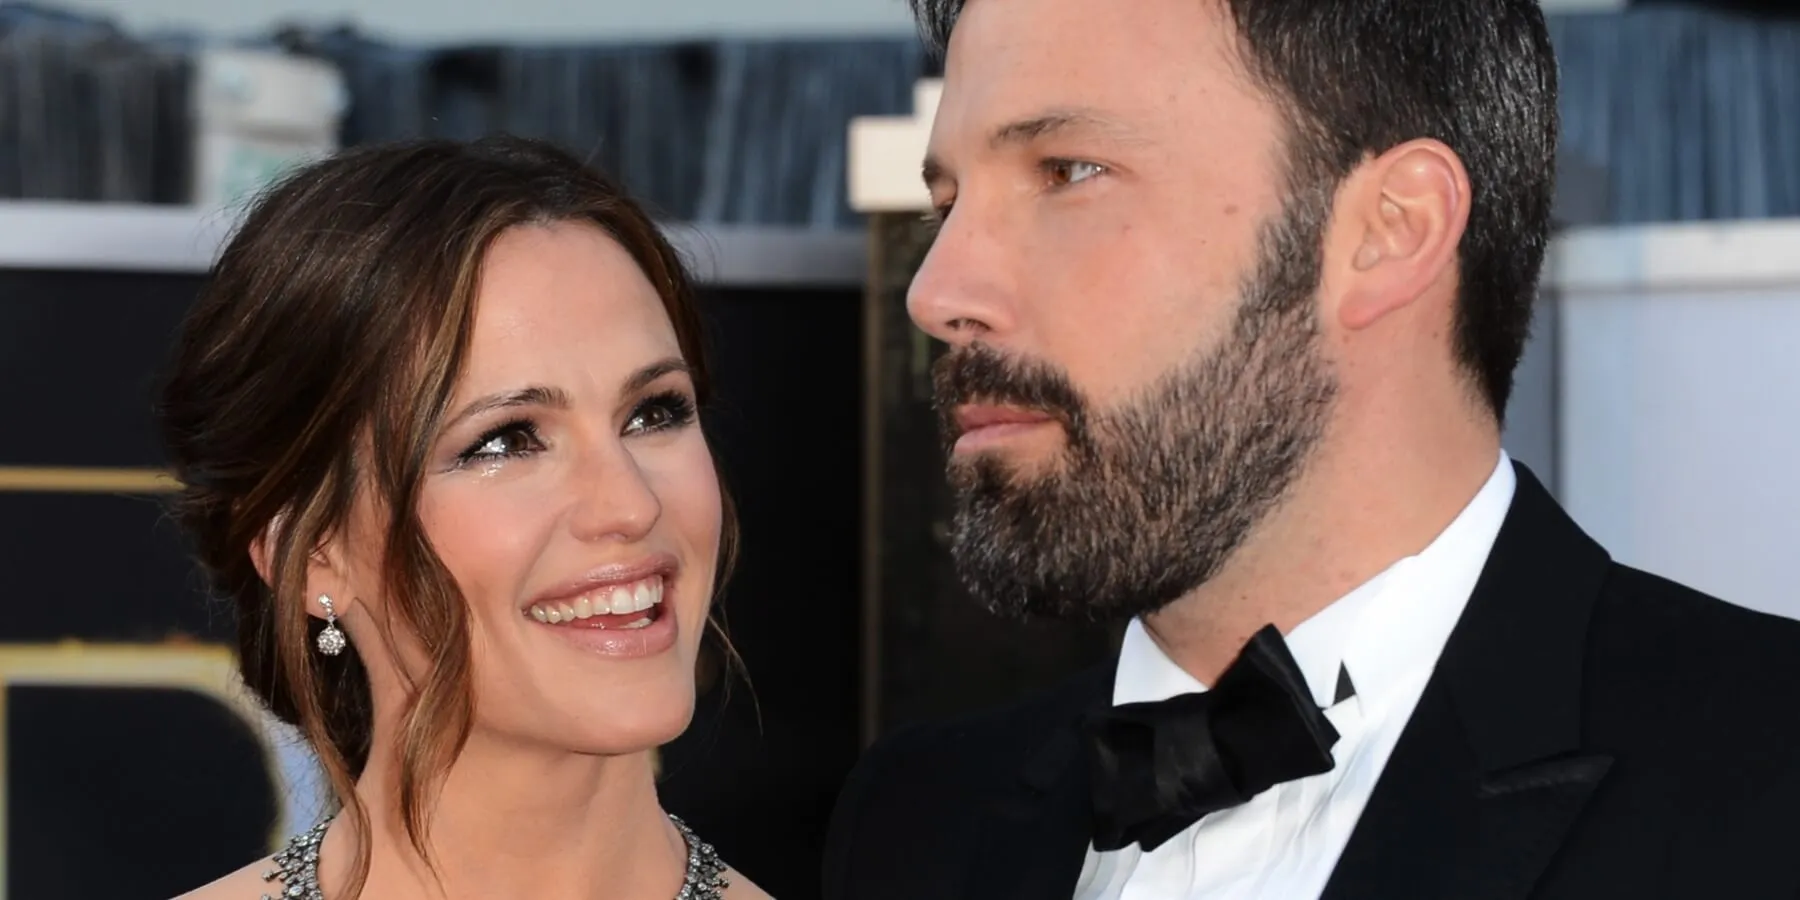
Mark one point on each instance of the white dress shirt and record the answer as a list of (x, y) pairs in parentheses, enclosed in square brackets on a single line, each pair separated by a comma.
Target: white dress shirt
[(1387, 634)]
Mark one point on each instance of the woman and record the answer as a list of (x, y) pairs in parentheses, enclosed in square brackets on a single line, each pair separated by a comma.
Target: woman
[(435, 416)]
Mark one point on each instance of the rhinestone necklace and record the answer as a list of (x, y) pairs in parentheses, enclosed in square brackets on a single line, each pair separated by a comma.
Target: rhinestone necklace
[(297, 867)]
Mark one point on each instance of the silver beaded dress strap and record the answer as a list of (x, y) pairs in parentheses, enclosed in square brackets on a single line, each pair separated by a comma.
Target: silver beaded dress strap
[(296, 872)]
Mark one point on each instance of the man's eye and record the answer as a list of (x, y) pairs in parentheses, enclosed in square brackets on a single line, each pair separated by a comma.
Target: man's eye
[(1067, 172), (934, 218)]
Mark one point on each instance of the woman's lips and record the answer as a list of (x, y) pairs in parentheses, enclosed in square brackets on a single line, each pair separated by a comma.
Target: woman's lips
[(602, 604), (595, 580), (629, 619)]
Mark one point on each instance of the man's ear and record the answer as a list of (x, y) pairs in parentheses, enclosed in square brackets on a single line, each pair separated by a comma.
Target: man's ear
[(1406, 213)]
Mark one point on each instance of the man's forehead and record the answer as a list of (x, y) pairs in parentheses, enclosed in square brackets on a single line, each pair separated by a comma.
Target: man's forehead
[(1053, 32), (1018, 61)]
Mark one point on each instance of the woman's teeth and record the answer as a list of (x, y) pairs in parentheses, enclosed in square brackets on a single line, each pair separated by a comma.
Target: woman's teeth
[(619, 600)]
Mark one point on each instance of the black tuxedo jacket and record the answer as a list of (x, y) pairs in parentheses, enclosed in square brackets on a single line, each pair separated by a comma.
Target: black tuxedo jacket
[(1590, 731)]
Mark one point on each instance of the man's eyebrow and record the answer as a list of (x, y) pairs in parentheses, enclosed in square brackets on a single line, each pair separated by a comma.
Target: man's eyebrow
[(1059, 121), (932, 171)]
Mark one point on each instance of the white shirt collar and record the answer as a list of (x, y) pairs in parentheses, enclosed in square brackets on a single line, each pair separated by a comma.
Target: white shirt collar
[(1392, 625)]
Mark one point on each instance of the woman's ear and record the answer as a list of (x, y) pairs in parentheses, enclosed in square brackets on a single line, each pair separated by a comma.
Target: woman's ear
[(262, 547), (323, 573)]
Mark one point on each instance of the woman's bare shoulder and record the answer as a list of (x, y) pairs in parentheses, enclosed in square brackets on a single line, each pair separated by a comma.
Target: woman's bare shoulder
[(246, 883)]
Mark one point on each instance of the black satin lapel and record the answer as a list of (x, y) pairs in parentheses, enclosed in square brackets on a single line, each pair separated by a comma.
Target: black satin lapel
[(1437, 826), (1037, 835), (1525, 814)]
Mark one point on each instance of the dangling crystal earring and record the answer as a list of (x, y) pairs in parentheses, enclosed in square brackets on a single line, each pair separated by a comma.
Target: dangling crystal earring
[(331, 640)]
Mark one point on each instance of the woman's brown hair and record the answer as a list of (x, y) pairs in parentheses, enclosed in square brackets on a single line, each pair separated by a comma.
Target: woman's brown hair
[(316, 363)]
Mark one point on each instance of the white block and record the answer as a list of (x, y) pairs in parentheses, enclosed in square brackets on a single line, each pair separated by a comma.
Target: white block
[(256, 114), (885, 153), (1679, 419), (926, 94)]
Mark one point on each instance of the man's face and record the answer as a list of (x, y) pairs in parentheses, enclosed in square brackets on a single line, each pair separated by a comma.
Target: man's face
[(1136, 374)]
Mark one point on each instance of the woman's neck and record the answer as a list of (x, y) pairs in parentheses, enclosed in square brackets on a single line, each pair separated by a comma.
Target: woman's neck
[(516, 821)]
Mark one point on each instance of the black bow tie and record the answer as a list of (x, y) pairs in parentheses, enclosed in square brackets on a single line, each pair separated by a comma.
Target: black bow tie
[(1160, 767)]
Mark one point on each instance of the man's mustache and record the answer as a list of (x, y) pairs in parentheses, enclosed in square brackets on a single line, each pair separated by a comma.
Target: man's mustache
[(978, 373)]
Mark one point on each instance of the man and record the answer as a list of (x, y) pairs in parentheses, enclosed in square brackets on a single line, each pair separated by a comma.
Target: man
[(1234, 291)]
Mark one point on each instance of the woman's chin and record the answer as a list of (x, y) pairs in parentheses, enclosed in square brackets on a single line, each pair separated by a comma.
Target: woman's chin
[(637, 736), (616, 723)]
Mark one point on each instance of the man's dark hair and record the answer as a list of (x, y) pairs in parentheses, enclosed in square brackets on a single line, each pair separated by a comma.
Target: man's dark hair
[(1359, 77)]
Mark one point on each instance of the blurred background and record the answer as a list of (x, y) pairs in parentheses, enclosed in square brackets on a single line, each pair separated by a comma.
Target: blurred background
[(779, 141)]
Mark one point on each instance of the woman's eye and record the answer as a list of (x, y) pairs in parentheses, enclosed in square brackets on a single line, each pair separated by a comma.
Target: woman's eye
[(506, 442), (1067, 172), (661, 413)]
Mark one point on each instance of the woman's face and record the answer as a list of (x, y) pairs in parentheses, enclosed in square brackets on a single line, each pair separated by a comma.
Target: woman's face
[(573, 498)]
